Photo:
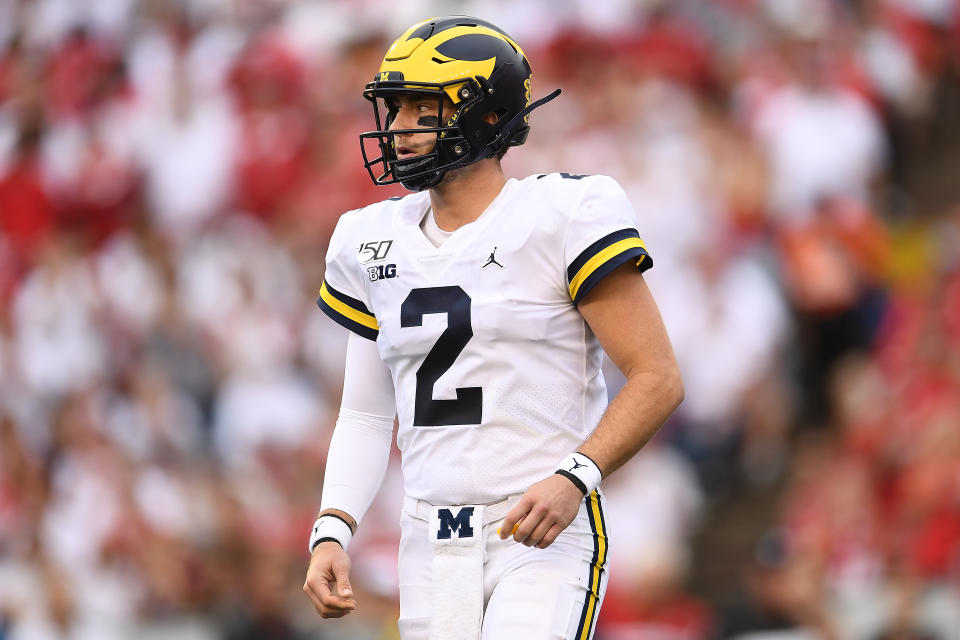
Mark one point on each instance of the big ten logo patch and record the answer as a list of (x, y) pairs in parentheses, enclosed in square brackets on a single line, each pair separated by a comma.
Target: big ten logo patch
[(382, 271), (376, 250), (459, 524)]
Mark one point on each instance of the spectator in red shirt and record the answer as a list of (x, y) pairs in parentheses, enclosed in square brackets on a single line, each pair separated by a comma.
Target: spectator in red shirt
[(27, 216)]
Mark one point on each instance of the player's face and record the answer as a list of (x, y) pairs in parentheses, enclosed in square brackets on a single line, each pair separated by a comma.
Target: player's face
[(417, 111)]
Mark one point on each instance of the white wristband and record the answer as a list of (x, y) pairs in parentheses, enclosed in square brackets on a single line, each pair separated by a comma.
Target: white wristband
[(581, 471), (332, 528)]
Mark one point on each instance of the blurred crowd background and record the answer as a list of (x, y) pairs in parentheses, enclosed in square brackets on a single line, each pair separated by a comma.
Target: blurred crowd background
[(170, 173)]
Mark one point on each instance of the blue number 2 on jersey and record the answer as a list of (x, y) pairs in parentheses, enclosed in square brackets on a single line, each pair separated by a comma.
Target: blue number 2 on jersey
[(453, 301)]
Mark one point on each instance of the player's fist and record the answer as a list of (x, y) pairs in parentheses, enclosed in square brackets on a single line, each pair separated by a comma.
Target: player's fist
[(544, 510), (328, 581)]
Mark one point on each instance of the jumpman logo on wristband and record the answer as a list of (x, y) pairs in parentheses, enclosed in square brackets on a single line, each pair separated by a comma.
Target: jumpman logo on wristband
[(576, 465)]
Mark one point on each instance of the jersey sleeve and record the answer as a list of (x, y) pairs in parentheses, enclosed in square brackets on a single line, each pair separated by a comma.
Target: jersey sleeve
[(601, 235), (342, 295)]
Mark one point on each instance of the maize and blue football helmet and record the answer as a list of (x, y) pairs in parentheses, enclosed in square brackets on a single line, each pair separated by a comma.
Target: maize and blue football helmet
[(474, 64)]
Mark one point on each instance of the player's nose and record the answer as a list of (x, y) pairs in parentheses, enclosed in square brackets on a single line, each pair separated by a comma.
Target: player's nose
[(403, 120)]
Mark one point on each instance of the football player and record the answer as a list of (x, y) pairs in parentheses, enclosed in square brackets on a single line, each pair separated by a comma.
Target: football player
[(479, 310)]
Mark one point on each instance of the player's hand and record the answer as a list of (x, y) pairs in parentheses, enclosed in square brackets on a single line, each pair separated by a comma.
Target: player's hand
[(544, 510), (328, 581)]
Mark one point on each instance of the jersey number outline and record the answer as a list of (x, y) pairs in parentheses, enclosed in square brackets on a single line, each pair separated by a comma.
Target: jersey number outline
[(455, 303)]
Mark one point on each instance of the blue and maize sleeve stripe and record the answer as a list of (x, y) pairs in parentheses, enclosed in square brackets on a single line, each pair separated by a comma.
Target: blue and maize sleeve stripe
[(347, 311), (602, 257), (593, 598)]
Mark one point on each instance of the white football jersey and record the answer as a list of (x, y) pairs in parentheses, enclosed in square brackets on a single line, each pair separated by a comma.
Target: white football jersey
[(496, 374)]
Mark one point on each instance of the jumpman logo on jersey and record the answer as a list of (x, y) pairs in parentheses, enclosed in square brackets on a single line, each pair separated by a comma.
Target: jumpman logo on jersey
[(576, 465), (492, 260)]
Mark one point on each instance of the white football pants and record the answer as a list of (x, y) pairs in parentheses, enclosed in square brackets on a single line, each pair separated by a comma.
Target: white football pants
[(528, 593)]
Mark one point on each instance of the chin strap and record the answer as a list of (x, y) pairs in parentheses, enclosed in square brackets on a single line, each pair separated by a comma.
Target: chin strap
[(510, 124)]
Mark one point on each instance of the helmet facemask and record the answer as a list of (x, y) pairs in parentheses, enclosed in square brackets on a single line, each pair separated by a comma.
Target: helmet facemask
[(451, 147)]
